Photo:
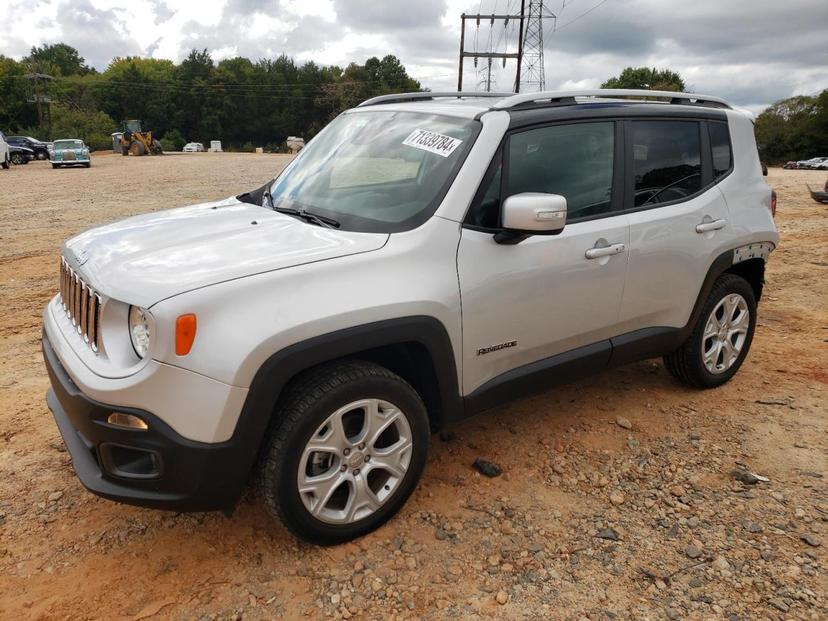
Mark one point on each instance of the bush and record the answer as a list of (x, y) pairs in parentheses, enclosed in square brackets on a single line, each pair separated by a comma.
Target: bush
[(173, 141), (94, 128)]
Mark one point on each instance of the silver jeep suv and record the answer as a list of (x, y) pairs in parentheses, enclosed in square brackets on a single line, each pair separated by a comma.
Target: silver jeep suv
[(426, 257)]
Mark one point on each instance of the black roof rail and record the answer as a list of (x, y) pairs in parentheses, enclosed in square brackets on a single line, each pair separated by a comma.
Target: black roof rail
[(402, 97)]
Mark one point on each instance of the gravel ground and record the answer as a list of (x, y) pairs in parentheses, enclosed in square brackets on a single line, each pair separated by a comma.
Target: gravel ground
[(625, 497)]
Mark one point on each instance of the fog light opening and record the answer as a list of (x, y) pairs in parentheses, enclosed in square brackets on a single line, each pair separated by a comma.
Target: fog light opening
[(126, 420)]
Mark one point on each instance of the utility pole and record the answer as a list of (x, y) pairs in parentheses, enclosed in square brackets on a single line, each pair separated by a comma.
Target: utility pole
[(520, 45), (477, 55), (533, 74), (40, 96)]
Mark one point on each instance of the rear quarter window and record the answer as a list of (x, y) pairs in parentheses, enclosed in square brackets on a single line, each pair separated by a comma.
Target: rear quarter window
[(720, 149)]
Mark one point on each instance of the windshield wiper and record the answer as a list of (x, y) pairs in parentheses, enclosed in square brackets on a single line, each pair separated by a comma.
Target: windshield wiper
[(308, 216)]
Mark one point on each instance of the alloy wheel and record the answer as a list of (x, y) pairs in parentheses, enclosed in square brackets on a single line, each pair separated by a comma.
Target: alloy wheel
[(724, 333), (355, 461)]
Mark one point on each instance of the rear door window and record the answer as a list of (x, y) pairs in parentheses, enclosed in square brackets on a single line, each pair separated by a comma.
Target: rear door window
[(666, 161)]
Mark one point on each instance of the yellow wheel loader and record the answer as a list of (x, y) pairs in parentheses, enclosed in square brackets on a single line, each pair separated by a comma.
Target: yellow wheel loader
[(135, 141)]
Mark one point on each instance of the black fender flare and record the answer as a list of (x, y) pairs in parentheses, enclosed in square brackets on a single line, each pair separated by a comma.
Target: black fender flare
[(274, 374)]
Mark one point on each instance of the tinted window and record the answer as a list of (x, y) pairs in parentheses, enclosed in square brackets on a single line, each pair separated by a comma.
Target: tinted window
[(720, 148), (574, 161), (666, 160)]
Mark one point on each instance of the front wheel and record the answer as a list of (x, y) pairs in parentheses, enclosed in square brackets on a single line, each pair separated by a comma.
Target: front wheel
[(17, 159), (721, 336), (348, 446)]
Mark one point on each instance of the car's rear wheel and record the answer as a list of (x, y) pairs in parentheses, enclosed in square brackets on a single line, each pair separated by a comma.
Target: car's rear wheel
[(18, 159), (346, 450), (721, 337)]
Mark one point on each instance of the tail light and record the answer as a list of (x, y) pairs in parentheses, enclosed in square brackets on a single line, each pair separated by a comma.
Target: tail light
[(773, 203)]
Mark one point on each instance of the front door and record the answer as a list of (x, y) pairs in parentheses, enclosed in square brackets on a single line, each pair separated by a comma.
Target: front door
[(548, 294)]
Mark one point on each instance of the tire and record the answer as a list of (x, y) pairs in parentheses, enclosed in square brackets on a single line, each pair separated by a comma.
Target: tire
[(730, 294), (124, 151), (137, 149), (55, 165), (87, 164), (157, 149), (312, 404), (17, 159), (41, 155)]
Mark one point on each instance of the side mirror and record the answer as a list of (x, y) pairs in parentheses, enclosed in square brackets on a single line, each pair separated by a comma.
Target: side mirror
[(531, 213)]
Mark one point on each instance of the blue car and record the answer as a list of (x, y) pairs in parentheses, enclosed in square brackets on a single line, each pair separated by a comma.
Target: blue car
[(70, 153)]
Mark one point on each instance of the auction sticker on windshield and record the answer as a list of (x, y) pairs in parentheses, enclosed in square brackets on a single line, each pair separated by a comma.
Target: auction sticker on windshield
[(432, 142)]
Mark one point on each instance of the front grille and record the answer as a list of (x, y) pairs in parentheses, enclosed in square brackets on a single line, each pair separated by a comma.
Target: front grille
[(69, 156), (82, 305)]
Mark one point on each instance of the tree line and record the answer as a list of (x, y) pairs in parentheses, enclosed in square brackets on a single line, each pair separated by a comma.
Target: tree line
[(247, 104), (238, 101)]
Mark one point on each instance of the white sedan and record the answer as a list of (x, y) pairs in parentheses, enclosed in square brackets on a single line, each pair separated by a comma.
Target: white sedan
[(193, 147)]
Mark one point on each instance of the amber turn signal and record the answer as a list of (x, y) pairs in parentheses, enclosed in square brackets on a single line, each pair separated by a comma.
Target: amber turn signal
[(185, 331)]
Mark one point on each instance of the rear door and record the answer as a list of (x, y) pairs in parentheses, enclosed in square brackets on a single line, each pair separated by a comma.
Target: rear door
[(679, 220), (526, 302)]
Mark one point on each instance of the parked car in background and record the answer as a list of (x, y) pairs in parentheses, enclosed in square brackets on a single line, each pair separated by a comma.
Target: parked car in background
[(20, 155), (812, 163), (193, 147), (71, 153), (4, 152), (39, 148)]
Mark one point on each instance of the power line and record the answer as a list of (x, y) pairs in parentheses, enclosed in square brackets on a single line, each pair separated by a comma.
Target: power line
[(575, 19)]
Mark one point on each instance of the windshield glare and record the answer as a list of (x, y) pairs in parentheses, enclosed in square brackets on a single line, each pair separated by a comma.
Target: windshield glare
[(377, 171)]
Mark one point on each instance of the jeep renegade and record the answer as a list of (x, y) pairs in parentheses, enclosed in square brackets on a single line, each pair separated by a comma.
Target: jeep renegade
[(427, 256)]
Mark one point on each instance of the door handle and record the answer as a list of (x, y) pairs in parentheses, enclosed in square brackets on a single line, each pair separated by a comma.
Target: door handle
[(714, 225), (606, 251)]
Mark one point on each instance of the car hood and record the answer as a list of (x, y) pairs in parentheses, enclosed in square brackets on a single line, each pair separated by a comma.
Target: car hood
[(145, 259)]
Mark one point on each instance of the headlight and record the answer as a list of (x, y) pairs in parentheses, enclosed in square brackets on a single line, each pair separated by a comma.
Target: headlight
[(139, 330)]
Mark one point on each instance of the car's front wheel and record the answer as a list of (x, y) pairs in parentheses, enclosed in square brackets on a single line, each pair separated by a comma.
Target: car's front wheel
[(346, 450), (721, 337)]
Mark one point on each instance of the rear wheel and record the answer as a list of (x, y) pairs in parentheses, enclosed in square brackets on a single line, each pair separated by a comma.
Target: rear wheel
[(347, 449), (18, 159), (137, 149), (721, 337), (157, 149)]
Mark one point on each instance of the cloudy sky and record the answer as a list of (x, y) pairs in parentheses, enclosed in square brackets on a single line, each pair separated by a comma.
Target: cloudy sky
[(751, 51)]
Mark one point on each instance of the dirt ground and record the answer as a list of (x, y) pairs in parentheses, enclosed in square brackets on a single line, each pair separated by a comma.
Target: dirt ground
[(590, 520)]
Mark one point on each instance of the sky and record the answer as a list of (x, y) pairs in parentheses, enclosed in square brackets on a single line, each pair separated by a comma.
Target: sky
[(752, 52)]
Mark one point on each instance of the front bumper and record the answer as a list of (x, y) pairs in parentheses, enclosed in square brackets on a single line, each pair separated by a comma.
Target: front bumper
[(154, 468)]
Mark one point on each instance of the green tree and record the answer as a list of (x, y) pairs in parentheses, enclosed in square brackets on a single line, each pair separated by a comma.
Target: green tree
[(793, 129), (57, 59), (93, 127), (648, 79), (15, 111)]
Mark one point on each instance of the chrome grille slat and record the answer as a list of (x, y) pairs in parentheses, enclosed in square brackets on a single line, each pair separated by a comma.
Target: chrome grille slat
[(82, 305)]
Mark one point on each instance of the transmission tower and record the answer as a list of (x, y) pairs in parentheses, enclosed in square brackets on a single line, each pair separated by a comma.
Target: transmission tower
[(532, 75)]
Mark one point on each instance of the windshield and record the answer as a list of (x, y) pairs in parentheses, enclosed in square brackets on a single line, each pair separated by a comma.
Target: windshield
[(68, 144), (377, 171)]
